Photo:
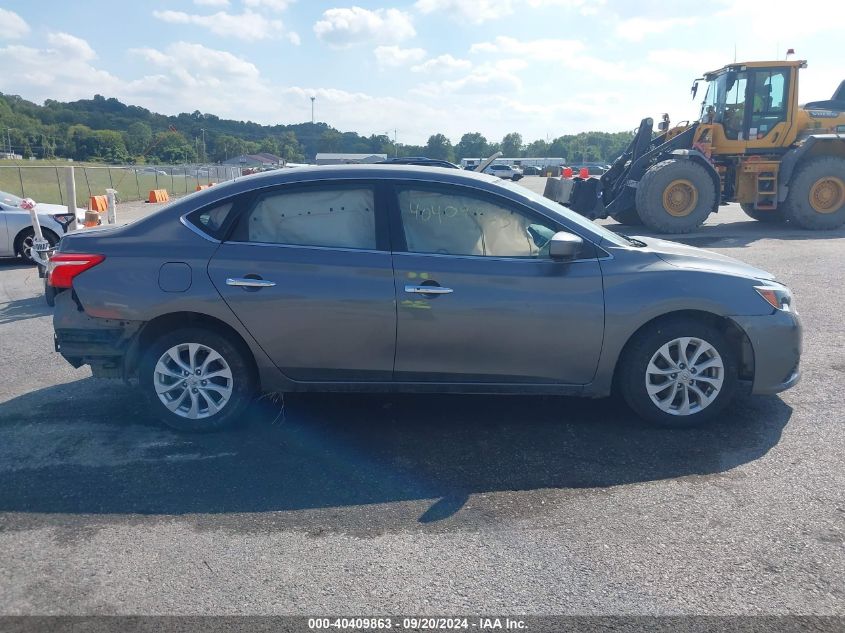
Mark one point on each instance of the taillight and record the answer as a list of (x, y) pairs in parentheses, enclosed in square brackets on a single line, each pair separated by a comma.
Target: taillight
[(65, 266)]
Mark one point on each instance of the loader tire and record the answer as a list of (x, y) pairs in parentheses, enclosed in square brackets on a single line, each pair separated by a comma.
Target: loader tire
[(629, 216), (675, 196), (816, 198), (768, 217)]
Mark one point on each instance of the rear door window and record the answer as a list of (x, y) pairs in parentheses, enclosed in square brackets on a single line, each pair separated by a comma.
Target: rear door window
[(334, 217)]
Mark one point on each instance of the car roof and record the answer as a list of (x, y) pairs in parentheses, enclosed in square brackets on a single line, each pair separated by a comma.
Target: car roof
[(320, 173), (376, 171)]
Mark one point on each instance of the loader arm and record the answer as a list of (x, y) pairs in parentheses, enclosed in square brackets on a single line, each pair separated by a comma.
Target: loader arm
[(615, 191)]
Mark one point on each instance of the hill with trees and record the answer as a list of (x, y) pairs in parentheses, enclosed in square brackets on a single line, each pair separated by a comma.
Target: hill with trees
[(105, 130)]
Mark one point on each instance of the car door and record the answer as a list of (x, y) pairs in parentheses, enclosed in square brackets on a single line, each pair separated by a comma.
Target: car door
[(478, 298), (307, 270)]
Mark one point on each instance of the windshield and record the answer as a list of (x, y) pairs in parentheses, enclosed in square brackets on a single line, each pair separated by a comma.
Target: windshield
[(715, 90), (590, 226), (10, 199)]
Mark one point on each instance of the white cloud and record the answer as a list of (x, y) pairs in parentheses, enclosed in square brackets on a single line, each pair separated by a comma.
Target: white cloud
[(638, 28), (484, 80), (272, 5), (212, 3), (72, 46), (247, 25), (550, 50), (62, 70), (184, 55), (479, 11), (394, 57), (475, 11), (341, 28), (12, 26), (584, 7), (442, 63)]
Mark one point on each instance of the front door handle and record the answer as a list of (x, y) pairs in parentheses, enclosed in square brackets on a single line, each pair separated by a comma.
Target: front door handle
[(247, 282), (428, 290)]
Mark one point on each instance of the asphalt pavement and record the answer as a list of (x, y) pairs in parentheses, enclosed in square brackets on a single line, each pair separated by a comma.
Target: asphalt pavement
[(348, 504)]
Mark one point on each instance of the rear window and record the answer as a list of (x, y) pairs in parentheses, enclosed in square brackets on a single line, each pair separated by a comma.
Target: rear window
[(212, 220)]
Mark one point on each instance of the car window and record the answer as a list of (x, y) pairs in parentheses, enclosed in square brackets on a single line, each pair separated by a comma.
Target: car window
[(337, 217), (213, 219), (464, 224)]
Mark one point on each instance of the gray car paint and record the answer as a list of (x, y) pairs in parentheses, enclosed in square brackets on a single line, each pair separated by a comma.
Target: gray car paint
[(639, 284)]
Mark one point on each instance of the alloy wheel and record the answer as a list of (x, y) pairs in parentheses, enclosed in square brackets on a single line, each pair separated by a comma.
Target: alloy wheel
[(684, 376), (193, 381)]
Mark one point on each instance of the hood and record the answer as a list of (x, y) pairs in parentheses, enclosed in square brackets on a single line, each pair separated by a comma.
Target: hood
[(52, 209), (690, 257)]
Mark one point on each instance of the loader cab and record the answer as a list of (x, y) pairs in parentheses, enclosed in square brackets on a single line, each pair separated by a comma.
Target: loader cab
[(751, 106)]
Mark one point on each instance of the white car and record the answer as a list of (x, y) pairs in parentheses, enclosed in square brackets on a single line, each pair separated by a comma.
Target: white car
[(16, 232), (508, 172)]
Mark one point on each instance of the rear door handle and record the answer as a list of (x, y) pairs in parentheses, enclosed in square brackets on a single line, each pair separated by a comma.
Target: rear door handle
[(246, 282), (428, 290)]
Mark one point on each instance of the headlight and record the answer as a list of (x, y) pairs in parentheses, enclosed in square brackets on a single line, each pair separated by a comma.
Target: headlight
[(778, 297), (64, 218)]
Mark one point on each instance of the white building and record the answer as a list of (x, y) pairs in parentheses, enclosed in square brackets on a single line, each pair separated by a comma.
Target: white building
[(470, 163)]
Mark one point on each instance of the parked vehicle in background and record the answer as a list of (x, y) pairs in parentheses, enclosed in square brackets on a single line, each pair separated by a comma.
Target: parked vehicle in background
[(508, 172), (392, 278), (530, 170), (16, 232), (593, 169)]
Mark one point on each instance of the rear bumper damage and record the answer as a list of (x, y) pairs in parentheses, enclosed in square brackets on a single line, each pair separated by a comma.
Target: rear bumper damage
[(84, 340)]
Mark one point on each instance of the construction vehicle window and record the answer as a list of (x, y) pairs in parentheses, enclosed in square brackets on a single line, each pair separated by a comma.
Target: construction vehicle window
[(734, 108), (769, 101)]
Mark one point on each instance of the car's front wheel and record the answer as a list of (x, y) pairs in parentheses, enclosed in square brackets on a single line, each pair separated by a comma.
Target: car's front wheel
[(678, 372), (26, 239), (196, 379)]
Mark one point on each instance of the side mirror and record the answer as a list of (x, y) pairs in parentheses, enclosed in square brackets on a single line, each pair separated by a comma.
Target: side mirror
[(663, 126), (564, 245)]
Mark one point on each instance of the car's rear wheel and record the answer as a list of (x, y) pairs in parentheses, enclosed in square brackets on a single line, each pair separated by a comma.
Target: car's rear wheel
[(678, 372), (197, 380)]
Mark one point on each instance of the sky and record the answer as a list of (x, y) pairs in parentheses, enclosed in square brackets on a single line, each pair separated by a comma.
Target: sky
[(412, 68)]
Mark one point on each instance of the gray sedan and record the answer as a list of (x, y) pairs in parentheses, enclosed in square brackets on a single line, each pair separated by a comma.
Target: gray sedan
[(395, 278)]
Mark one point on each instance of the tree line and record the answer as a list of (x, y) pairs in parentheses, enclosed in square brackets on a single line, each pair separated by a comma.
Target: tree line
[(105, 130)]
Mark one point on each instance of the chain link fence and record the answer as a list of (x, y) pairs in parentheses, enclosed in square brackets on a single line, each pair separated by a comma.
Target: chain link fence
[(48, 183)]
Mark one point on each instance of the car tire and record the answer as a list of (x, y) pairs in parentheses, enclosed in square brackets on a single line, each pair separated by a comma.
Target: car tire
[(23, 242), (775, 216), (675, 196), (629, 217), (816, 198), (653, 359), (49, 293), (216, 385)]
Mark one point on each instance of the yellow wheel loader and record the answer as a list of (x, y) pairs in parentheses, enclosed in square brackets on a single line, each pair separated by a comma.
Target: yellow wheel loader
[(752, 144)]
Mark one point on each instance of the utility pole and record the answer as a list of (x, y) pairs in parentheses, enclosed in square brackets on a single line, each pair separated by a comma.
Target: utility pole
[(204, 155), (9, 137), (312, 109), (395, 146)]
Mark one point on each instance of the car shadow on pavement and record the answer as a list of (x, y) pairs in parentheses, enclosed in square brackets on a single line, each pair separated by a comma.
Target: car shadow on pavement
[(90, 447), (22, 309)]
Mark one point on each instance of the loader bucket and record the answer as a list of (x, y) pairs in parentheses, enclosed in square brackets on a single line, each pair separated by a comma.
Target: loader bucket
[(584, 198)]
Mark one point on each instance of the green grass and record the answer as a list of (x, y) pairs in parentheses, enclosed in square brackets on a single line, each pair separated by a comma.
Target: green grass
[(47, 183)]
